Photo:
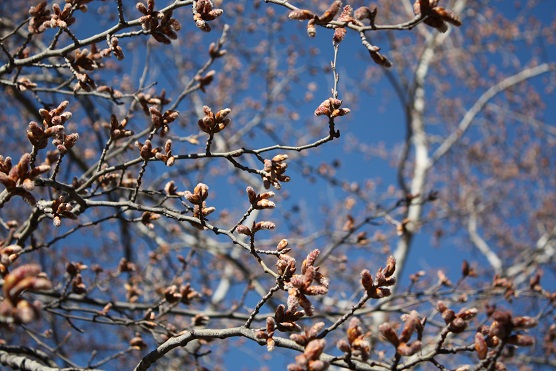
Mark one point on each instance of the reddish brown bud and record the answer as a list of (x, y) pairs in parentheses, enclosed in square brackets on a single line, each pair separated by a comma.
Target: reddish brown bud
[(389, 334), (301, 14), (480, 345)]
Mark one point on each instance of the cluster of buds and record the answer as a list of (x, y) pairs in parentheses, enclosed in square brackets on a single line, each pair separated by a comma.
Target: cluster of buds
[(160, 25), (125, 266), (214, 123), (14, 307), (331, 108), (133, 292), (109, 179), (309, 359), (161, 121), (171, 189), (19, 179), (205, 80), (8, 255), (436, 16), (285, 265), (313, 19), (501, 330), (52, 127), (146, 151), (182, 294), (456, 323), (64, 142), (114, 94), (42, 18), (255, 227), (300, 286), (39, 16), (79, 4), (505, 283), (366, 13), (268, 334), (384, 277), (346, 17), (73, 269), (356, 345), (286, 319), (85, 60), (137, 342), (146, 100), (204, 11), (216, 51), (61, 209), (24, 84), (197, 198), (260, 201), (305, 337), (62, 18), (413, 324), (274, 171), (117, 129), (113, 48), (147, 219), (167, 157)]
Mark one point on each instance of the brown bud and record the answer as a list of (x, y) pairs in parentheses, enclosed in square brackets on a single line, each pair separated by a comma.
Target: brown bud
[(447, 15), (301, 14), (407, 350), (311, 29), (524, 322), (331, 12), (244, 230), (314, 349), (389, 334), (480, 345), (521, 340)]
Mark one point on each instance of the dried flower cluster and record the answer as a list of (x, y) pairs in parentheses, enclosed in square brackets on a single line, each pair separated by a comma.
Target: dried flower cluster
[(14, 308)]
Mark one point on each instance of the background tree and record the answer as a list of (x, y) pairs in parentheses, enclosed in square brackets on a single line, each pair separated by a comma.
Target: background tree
[(174, 176)]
